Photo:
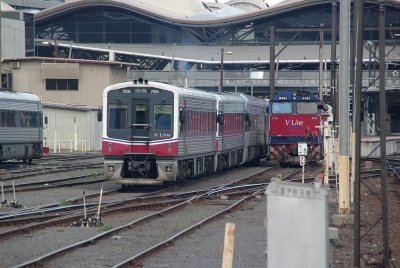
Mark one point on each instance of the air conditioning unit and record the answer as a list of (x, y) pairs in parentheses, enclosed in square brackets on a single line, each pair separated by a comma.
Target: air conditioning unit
[(14, 65)]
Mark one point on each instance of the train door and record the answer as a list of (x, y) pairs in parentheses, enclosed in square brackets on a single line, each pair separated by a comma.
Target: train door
[(140, 119)]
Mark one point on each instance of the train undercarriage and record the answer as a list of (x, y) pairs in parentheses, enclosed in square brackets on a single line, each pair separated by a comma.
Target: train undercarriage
[(147, 169)]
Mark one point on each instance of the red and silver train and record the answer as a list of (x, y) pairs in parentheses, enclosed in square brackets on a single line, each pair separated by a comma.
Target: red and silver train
[(295, 117), (155, 132)]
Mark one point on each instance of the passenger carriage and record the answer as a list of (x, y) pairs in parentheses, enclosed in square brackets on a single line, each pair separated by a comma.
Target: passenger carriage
[(21, 127), (155, 132)]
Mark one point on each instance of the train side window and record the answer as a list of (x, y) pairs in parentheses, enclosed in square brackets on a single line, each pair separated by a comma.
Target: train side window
[(163, 117), (117, 116), (28, 119), (11, 118), (2, 118)]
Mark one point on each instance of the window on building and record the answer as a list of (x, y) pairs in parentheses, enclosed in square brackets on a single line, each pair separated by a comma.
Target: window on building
[(62, 84)]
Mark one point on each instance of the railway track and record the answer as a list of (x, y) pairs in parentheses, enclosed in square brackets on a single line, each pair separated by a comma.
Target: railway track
[(7, 175), (154, 207)]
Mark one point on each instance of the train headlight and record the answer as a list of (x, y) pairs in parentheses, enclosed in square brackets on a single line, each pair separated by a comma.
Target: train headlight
[(168, 169), (110, 168)]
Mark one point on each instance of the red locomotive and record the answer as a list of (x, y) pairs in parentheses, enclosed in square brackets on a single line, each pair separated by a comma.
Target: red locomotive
[(295, 117), (155, 132)]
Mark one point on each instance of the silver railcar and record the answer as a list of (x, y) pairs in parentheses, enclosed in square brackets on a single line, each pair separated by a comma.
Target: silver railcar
[(155, 132), (21, 126)]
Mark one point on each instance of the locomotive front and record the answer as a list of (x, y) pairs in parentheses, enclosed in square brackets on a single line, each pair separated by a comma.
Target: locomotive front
[(138, 128), (295, 117)]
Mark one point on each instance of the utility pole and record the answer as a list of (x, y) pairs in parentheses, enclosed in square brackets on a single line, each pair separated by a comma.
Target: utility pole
[(271, 62), (221, 79), (344, 88)]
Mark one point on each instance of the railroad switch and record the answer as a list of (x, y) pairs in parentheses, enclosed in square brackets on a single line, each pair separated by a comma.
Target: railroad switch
[(15, 204), (12, 204), (88, 222), (4, 203), (95, 221), (85, 223), (91, 222)]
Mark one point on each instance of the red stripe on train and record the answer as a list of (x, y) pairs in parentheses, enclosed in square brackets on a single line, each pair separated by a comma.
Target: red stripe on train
[(110, 148)]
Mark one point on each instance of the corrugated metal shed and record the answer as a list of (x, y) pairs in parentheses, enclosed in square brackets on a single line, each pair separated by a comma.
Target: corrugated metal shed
[(71, 128)]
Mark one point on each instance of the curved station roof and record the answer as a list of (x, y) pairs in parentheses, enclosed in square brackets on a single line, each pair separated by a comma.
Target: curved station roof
[(123, 24)]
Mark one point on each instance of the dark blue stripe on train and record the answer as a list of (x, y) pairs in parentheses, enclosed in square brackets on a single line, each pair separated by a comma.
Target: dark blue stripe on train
[(298, 95)]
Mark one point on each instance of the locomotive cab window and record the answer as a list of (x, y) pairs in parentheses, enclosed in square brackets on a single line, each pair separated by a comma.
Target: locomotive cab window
[(163, 117), (117, 116), (282, 108), (307, 107)]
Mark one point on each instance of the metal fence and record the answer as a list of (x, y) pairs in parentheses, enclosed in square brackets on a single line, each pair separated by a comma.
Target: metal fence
[(58, 146)]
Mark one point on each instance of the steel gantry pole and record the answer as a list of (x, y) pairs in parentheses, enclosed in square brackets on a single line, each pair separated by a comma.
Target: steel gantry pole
[(271, 62), (359, 26), (382, 124), (344, 106), (321, 59), (333, 92), (221, 79)]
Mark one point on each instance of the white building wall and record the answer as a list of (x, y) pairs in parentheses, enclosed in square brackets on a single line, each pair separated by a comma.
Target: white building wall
[(93, 79), (72, 130)]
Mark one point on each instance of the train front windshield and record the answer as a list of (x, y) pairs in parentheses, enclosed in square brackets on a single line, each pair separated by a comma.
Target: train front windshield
[(307, 108), (163, 117), (138, 114), (282, 108), (117, 116), (294, 108)]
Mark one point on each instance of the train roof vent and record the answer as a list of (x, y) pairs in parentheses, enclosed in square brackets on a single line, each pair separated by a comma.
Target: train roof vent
[(14, 65)]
